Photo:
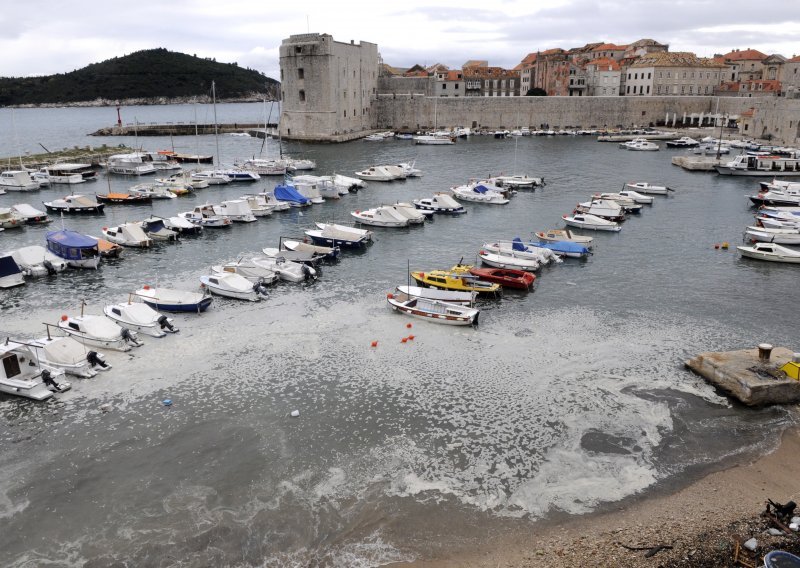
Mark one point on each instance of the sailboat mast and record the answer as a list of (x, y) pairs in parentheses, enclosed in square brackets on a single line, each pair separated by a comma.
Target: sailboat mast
[(216, 133)]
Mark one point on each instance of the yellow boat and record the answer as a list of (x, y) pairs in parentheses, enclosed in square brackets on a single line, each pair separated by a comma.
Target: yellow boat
[(455, 280)]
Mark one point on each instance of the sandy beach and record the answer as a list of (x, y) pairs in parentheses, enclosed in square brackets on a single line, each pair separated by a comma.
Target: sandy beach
[(700, 522)]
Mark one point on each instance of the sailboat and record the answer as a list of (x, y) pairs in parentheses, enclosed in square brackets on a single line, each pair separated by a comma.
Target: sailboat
[(517, 181), (435, 139)]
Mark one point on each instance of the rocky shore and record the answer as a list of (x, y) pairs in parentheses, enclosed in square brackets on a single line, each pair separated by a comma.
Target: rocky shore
[(100, 102), (698, 526)]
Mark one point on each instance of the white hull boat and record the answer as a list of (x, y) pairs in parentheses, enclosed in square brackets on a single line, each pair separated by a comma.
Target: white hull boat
[(353, 232), (127, 235), (648, 189), (411, 213), (232, 285), (778, 236), (30, 215), (172, 300), (211, 177), (508, 261), (380, 217), (36, 261), (770, 252), (604, 208), (381, 173), (637, 197), (253, 272), (433, 310), (204, 216), (301, 246), (518, 249), (591, 222), (236, 210), (434, 140), (17, 180), (451, 296), (70, 356), (440, 203), (140, 317), (22, 375), (258, 205), (555, 235), (286, 269), (98, 331), (517, 181), (153, 191), (10, 273), (269, 199), (478, 193)]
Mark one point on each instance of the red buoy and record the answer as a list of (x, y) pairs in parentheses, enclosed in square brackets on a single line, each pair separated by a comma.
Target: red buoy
[(408, 325), (374, 343), (64, 317)]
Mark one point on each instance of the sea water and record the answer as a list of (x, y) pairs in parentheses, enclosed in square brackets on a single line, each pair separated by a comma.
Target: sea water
[(561, 402)]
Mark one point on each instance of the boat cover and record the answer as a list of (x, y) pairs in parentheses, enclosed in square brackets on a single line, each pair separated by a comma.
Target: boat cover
[(153, 225), (480, 189), (64, 350), (71, 239), (518, 245), (8, 266), (289, 193), (563, 247)]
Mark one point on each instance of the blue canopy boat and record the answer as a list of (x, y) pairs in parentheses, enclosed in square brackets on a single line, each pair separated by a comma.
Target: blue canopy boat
[(564, 248), (10, 273), (80, 251), (289, 194)]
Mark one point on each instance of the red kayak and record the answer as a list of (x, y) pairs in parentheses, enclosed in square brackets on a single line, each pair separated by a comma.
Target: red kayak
[(507, 277)]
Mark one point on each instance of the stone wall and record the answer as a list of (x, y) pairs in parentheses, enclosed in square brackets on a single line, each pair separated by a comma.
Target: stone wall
[(774, 119), (421, 113), (406, 85)]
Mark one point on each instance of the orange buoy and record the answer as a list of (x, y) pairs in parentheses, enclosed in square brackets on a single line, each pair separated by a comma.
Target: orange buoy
[(404, 340), (408, 325), (146, 286), (64, 317), (411, 338), (390, 295), (374, 343)]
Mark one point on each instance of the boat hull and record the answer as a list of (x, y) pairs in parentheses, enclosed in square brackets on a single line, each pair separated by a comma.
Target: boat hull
[(408, 308)]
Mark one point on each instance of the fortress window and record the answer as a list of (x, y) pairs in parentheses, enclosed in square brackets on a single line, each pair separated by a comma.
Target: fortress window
[(302, 96), (345, 114), (300, 73), (298, 49)]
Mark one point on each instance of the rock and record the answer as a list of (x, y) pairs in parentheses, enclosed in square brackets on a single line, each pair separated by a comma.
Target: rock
[(751, 544)]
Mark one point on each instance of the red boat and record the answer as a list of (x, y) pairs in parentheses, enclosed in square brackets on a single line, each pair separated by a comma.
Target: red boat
[(507, 277)]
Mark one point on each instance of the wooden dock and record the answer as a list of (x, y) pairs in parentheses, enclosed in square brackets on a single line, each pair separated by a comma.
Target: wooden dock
[(180, 129)]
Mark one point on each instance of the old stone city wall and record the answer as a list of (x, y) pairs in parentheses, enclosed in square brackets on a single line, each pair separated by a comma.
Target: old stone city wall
[(408, 112)]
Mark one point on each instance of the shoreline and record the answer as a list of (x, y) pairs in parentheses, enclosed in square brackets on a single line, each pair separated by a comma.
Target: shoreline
[(699, 520)]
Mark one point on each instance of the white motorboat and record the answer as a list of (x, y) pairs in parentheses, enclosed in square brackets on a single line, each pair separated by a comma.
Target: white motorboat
[(237, 175), (232, 285), (478, 193), (682, 142), (130, 164), (604, 208), (21, 373), (347, 184), (777, 223), (440, 203), (434, 139), (258, 205), (409, 169), (205, 216), (508, 261), (517, 249), (353, 232), (75, 204), (380, 217), (319, 187), (309, 257), (156, 229), (173, 300), (451, 296), (555, 235), (637, 197), (407, 210), (80, 251), (779, 236), (381, 173), (771, 252), (9, 219), (211, 177), (757, 164), (374, 138), (127, 235), (265, 167), (11, 274), (181, 181), (42, 178), (30, 215), (789, 197), (640, 144), (181, 225), (433, 310), (517, 181), (591, 222), (302, 246), (140, 317), (253, 272), (237, 210), (68, 355), (286, 269), (277, 205), (152, 190), (70, 173), (779, 184), (35, 261), (299, 164), (627, 203), (17, 180), (98, 331), (648, 189)]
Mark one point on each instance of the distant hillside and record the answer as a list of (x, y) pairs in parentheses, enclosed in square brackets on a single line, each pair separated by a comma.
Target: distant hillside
[(143, 75)]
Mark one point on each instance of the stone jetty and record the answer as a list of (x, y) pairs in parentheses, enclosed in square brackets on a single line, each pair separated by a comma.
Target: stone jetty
[(178, 129)]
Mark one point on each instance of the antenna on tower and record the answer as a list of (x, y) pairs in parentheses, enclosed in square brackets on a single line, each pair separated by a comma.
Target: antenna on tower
[(308, 26)]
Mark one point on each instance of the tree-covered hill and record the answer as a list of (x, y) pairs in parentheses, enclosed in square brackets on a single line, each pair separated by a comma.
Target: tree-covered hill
[(148, 74)]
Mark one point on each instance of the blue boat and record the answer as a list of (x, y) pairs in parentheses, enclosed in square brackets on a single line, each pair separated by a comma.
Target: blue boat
[(80, 251), (565, 248), (289, 194)]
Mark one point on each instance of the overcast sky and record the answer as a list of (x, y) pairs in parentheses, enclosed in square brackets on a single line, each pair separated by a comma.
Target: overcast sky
[(41, 37)]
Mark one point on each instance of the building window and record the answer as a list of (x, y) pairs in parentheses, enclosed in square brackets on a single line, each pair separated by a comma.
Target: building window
[(298, 49), (629, 76), (648, 89), (456, 86), (444, 86), (628, 90), (684, 74), (691, 89), (648, 75), (635, 75), (658, 90), (300, 73), (660, 74), (345, 113), (683, 89), (302, 96), (669, 74)]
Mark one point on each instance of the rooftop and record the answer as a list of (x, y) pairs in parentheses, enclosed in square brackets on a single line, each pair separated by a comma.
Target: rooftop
[(745, 55), (675, 59)]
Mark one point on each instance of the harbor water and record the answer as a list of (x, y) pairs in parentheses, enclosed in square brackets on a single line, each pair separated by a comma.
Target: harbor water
[(563, 401)]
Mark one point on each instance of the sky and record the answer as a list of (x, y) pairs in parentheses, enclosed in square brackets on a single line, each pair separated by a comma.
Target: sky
[(43, 37)]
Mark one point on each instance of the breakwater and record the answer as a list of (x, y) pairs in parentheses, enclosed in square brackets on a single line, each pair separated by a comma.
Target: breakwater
[(178, 129)]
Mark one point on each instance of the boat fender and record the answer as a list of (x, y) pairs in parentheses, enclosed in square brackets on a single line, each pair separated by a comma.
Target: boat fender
[(167, 402), (163, 321), (295, 413), (95, 359)]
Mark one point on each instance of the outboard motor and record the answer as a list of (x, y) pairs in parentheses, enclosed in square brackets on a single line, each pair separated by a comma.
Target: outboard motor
[(163, 322), (51, 270), (96, 360), (308, 272), (47, 379), (128, 336), (260, 288)]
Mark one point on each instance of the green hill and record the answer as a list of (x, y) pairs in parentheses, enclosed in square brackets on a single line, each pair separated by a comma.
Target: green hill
[(148, 74)]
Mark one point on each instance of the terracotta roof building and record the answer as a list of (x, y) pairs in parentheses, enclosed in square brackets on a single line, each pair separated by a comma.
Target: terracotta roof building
[(450, 84), (673, 73), (603, 77), (491, 82), (744, 65)]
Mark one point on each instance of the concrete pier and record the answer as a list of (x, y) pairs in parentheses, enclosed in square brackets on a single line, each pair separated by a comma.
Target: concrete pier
[(177, 129), (83, 155), (699, 163), (629, 137), (748, 379)]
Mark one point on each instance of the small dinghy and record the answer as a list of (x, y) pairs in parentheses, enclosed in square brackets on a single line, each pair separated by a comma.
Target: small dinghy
[(478, 193), (127, 235), (98, 331), (172, 300), (380, 217), (80, 251), (591, 222), (647, 189), (506, 277), (22, 374), (36, 261), (155, 228), (554, 235), (75, 204), (286, 269), (232, 285), (458, 278), (140, 317), (69, 355), (30, 215), (506, 261), (770, 252), (433, 310), (253, 272), (330, 253), (451, 296), (440, 203), (10, 273)]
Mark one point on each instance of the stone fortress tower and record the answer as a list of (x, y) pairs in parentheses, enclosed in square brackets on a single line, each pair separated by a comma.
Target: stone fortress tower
[(326, 87)]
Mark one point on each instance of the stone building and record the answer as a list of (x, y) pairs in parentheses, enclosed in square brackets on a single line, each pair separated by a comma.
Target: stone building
[(326, 87), (743, 65), (450, 84), (491, 82), (672, 73), (603, 77), (790, 78)]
